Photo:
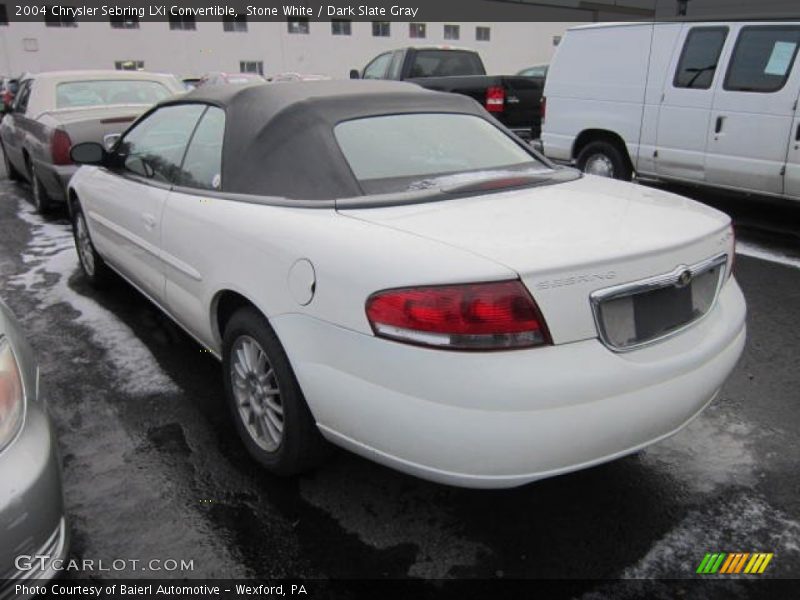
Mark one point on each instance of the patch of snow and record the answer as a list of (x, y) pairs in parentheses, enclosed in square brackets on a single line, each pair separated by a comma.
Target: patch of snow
[(712, 451), (52, 259)]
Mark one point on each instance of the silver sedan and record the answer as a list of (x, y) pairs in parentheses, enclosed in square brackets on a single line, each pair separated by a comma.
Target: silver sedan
[(33, 531)]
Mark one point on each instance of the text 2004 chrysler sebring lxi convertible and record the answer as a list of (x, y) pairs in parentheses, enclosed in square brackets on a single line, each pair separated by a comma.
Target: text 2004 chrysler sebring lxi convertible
[(389, 269)]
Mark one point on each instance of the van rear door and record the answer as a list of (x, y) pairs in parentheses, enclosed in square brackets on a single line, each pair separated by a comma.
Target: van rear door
[(686, 103), (754, 109)]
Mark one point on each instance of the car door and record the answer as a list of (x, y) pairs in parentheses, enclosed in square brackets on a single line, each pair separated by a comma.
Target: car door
[(686, 102), (126, 202), (188, 217), (753, 111)]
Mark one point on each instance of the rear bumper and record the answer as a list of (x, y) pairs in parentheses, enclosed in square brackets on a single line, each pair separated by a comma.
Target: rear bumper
[(55, 179), (503, 419)]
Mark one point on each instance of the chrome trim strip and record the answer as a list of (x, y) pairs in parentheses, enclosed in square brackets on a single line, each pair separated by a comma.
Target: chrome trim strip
[(650, 284)]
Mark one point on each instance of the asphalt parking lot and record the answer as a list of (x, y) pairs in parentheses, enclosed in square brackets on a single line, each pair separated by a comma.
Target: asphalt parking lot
[(153, 468)]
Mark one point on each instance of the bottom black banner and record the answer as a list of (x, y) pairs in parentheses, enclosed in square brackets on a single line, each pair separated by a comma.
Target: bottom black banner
[(314, 589)]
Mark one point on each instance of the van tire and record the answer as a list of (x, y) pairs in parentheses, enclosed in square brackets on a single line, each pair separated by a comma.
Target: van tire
[(604, 158)]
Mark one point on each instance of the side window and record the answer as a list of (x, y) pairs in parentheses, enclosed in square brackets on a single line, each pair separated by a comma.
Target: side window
[(202, 167), (397, 65), (762, 59), (699, 57), (377, 68), (22, 97), (154, 148)]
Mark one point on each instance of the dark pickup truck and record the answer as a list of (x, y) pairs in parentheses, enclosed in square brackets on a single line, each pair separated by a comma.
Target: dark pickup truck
[(514, 100)]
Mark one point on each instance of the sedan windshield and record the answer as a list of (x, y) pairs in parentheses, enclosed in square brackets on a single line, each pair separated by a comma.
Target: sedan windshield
[(101, 93), (404, 152)]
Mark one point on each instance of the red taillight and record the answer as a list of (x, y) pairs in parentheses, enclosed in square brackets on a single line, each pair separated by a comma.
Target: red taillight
[(543, 108), (7, 98), (59, 147), (495, 98), (479, 316)]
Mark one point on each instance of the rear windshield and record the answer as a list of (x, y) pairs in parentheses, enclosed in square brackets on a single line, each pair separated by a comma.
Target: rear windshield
[(400, 152), (446, 63), (101, 93)]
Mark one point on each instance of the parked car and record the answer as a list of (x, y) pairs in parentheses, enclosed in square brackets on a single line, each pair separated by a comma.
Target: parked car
[(389, 269), (54, 110), (710, 104), (279, 77), (32, 522), (230, 78), (8, 89), (513, 100)]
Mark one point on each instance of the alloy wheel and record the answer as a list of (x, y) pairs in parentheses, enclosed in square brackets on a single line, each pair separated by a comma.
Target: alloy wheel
[(257, 393)]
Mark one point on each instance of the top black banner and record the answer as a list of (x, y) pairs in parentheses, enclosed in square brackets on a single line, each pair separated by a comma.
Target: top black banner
[(400, 10)]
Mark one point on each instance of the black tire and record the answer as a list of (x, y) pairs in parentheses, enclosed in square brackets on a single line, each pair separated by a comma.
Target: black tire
[(93, 266), (11, 171), (609, 155), (41, 200), (301, 447)]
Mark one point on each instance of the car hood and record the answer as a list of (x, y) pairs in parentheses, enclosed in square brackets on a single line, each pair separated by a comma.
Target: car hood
[(569, 239)]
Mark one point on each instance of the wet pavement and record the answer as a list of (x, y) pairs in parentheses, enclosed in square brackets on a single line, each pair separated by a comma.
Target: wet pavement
[(153, 467)]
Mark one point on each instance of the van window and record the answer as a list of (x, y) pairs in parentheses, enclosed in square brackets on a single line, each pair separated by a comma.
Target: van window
[(762, 59), (699, 57)]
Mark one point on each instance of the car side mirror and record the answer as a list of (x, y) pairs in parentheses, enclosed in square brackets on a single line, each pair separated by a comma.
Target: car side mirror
[(88, 153), (354, 74), (110, 140)]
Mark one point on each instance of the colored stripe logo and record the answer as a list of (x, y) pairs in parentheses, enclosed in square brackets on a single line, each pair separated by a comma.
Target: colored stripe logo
[(733, 563)]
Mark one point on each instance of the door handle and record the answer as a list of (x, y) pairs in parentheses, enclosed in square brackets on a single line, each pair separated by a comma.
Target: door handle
[(718, 126), (797, 133), (149, 220)]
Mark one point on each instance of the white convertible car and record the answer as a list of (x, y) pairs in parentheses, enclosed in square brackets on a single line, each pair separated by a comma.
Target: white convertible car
[(389, 269)]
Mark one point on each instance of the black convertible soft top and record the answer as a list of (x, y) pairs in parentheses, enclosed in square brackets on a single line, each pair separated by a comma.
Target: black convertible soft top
[(279, 138)]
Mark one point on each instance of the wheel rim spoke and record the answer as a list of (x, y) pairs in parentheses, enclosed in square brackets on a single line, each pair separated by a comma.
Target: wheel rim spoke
[(257, 392)]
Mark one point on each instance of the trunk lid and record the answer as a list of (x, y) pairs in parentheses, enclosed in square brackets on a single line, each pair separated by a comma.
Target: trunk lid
[(91, 124), (566, 241)]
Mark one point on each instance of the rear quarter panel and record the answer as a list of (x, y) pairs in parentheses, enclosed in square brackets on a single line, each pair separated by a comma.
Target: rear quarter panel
[(596, 80)]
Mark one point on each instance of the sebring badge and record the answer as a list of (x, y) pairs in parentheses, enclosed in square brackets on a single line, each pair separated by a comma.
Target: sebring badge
[(684, 279)]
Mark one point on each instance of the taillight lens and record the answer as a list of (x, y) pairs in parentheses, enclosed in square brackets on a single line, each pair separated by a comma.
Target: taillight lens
[(11, 394), (495, 98), (479, 316), (543, 108), (59, 147)]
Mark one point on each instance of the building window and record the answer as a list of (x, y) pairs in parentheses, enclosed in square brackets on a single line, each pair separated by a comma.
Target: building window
[(299, 25), (3, 15), (182, 22), (234, 23), (416, 30), (381, 29), (452, 32), (67, 20), (341, 27), (251, 66), (129, 65), (129, 22), (483, 34)]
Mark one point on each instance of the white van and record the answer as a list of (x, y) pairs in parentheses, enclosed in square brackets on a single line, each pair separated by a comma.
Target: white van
[(713, 104)]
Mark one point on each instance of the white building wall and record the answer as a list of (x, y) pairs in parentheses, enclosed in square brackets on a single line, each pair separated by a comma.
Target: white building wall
[(34, 47)]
